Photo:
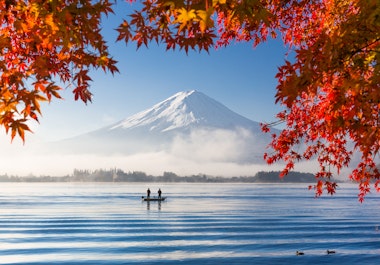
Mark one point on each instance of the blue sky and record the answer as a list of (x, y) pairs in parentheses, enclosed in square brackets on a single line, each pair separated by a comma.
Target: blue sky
[(239, 76)]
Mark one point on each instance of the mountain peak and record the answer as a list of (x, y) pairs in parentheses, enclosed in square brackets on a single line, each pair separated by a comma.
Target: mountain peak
[(189, 125), (182, 110), (184, 94)]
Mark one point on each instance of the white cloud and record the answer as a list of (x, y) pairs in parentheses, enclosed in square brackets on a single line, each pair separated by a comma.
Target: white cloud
[(20, 160), (218, 153), (218, 146)]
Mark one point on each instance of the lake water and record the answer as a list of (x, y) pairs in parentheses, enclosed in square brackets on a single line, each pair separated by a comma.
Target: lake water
[(106, 223)]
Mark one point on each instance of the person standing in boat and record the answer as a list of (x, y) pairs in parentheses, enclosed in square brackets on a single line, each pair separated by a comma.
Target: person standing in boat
[(159, 193), (148, 193)]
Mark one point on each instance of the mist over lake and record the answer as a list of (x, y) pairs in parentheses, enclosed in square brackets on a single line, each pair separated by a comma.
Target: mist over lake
[(107, 223)]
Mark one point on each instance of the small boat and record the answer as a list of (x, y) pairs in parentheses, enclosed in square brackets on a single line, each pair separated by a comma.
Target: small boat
[(153, 199)]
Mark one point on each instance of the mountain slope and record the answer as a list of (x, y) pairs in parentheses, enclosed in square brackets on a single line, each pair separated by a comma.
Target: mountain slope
[(182, 111), (188, 124)]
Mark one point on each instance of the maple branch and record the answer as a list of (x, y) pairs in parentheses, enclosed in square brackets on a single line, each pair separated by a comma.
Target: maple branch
[(358, 50), (275, 123)]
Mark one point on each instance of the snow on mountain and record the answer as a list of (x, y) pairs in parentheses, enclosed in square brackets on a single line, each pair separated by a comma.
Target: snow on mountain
[(188, 125), (184, 110)]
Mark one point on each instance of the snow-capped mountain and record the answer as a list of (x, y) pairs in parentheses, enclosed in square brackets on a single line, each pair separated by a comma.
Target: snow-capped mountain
[(182, 111), (186, 124)]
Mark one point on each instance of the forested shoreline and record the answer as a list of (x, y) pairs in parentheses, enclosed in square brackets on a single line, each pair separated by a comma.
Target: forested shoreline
[(118, 175)]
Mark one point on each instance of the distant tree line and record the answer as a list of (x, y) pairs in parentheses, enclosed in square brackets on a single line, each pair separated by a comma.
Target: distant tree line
[(118, 175)]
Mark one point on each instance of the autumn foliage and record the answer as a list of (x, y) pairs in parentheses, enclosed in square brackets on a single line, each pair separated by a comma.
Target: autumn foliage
[(44, 44), (330, 88)]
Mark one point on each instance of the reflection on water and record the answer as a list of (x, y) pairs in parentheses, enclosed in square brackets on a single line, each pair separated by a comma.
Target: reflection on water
[(153, 202), (213, 224)]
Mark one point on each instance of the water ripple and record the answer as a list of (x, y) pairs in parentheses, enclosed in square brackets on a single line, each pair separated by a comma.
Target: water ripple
[(111, 228)]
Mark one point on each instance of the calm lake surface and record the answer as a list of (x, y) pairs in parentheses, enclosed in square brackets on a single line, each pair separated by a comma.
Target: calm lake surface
[(106, 223)]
